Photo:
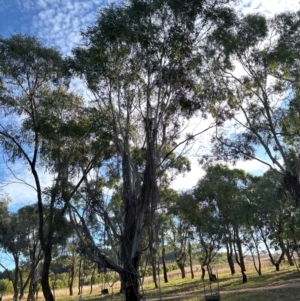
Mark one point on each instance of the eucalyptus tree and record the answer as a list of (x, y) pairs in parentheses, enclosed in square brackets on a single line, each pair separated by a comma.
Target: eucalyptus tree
[(12, 241), (178, 241), (167, 197), (46, 128), (70, 260), (273, 218), (19, 238), (254, 240), (180, 234), (208, 227), (140, 60), (32, 253), (222, 191), (258, 81)]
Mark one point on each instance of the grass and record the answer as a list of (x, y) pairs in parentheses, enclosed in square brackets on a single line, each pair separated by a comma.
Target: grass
[(287, 294), (258, 288)]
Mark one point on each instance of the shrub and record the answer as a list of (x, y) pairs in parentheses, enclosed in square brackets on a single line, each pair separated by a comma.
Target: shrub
[(6, 287)]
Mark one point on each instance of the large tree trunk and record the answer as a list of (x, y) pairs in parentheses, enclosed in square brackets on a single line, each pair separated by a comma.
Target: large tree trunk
[(33, 290), (244, 278), (34, 274), (45, 276), (32, 285), (182, 269), (16, 279), (202, 272), (130, 239), (180, 260), (130, 281), (289, 257), (139, 206)]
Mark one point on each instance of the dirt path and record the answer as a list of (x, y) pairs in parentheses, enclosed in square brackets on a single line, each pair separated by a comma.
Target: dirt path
[(222, 292)]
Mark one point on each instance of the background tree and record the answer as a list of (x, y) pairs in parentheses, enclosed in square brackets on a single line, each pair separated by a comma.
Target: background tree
[(208, 227), (179, 238), (12, 241), (273, 214), (223, 191), (256, 100), (32, 253)]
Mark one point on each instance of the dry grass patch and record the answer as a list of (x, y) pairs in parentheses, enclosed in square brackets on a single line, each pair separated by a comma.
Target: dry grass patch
[(273, 286)]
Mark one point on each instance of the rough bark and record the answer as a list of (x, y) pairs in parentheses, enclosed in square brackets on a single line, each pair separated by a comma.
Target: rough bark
[(34, 273), (244, 278), (182, 270), (202, 272), (45, 276), (289, 257), (34, 282)]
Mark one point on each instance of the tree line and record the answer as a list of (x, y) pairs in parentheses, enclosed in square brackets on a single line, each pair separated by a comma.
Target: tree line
[(152, 67)]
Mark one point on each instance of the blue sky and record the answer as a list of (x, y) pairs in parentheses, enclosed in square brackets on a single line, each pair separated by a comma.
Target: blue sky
[(55, 22), (58, 23)]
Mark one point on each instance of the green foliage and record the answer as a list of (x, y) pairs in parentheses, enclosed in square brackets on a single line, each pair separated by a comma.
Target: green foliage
[(6, 287), (257, 99), (290, 123), (23, 55), (172, 267), (223, 189)]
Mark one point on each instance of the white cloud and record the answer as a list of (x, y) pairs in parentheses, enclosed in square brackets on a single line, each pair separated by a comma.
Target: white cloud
[(267, 7), (60, 23), (189, 180), (251, 166)]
